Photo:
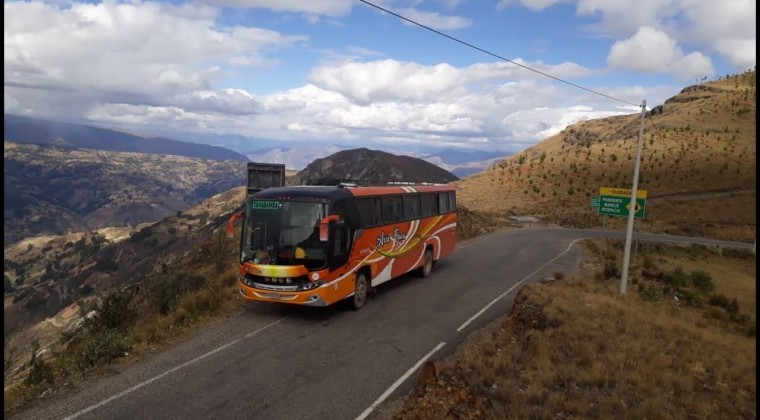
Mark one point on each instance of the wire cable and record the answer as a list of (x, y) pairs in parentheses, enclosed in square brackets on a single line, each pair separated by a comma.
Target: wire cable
[(497, 56)]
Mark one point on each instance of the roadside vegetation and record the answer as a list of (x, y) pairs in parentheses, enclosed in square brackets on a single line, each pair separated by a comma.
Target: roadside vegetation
[(127, 321), (680, 344)]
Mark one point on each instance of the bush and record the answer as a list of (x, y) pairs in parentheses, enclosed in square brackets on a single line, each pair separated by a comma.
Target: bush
[(101, 347), (611, 271), (114, 313), (687, 296), (39, 372), (168, 288), (741, 254), (718, 300), (650, 293), (702, 281), (677, 277)]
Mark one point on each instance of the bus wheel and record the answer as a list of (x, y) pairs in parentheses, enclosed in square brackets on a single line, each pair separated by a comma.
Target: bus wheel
[(360, 292), (427, 264)]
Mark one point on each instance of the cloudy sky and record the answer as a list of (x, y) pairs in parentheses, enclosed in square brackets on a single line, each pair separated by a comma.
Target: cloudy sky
[(343, 72)]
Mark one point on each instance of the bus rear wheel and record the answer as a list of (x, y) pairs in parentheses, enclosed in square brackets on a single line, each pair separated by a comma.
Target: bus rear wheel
[(360, 292), (427, 264)]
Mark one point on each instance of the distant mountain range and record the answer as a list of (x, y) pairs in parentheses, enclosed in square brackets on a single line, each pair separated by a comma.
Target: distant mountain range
[(51, 190), (20, 129), (459, 162)]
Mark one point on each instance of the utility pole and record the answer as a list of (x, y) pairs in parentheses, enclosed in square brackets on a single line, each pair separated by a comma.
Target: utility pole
[(632, 206)]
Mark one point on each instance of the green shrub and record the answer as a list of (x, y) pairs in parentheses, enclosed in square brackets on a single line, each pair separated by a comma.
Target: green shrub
[(40, 372), (741, 254), (677, 277), (114, 313), (688, 297), (650, 293), (101, 347), (702, 281), (168, 288)]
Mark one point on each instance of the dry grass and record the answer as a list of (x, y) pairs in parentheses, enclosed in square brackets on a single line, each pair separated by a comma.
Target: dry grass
[(698, 167), (93, 347), (577, 349)]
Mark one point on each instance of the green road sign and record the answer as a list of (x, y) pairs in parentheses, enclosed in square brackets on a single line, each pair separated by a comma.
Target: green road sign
[(617, 202), (594, 202)]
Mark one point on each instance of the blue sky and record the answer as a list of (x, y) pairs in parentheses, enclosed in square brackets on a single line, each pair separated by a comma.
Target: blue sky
[(342, 72)]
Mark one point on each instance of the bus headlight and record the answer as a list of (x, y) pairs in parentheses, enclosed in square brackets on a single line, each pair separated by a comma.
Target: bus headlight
[(246, 281), (311, 285), (288, 280)]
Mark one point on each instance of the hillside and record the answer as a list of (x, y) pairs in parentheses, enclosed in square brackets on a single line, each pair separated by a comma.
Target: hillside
[(51, 190), (44, 275), (20, 129), (371, 166), (698, 166)]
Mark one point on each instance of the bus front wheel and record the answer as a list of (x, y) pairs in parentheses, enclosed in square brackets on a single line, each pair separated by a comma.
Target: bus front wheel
[(360, 292)]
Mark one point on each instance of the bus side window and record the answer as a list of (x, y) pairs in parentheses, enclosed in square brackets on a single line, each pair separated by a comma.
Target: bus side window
[(392, 209), (411, 207), (443, 203), (452, 201), (369, 210), (429, 205)]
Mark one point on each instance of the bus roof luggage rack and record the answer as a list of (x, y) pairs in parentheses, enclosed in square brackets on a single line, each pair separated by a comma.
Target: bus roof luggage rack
[(362, 182)]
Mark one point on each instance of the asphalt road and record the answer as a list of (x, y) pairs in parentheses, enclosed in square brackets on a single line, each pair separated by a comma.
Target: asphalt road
[(275, 361)]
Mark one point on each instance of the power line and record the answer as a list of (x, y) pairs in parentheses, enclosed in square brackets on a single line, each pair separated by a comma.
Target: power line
[(496, 55)]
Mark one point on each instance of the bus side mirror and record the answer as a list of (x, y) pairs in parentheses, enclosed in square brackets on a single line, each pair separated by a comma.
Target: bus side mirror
[(324, 227), (229, 230)]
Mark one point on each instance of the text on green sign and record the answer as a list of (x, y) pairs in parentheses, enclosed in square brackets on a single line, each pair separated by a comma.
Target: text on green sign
[(265, 205)]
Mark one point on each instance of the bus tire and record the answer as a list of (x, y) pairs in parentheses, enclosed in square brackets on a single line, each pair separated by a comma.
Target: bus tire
[(427, 264), (361, 287)]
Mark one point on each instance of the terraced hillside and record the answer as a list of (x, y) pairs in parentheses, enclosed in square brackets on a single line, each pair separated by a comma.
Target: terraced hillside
[(698, 166)]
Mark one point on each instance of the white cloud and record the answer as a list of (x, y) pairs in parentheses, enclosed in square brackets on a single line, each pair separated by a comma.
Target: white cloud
[(311, 7), (728, 27), (169, 53), (651, 50), (434, 20), (366, 82)]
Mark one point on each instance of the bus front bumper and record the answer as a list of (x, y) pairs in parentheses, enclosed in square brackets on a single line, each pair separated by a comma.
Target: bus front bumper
[(314, 297)]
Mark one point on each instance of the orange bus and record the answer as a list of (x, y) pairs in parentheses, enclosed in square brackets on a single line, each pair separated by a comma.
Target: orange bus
[(317, 245)]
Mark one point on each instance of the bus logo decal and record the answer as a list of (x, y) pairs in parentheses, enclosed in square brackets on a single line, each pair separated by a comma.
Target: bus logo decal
[(397, 236)]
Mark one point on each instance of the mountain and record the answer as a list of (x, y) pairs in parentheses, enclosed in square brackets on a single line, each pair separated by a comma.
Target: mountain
[(698, 166), (52, 190), (463, 163), (372, 166), (456, 157), (20, 129), (48, 274), (295, 158)]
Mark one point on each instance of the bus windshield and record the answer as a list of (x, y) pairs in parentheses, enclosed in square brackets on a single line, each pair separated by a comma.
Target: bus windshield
[(283, 233)]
